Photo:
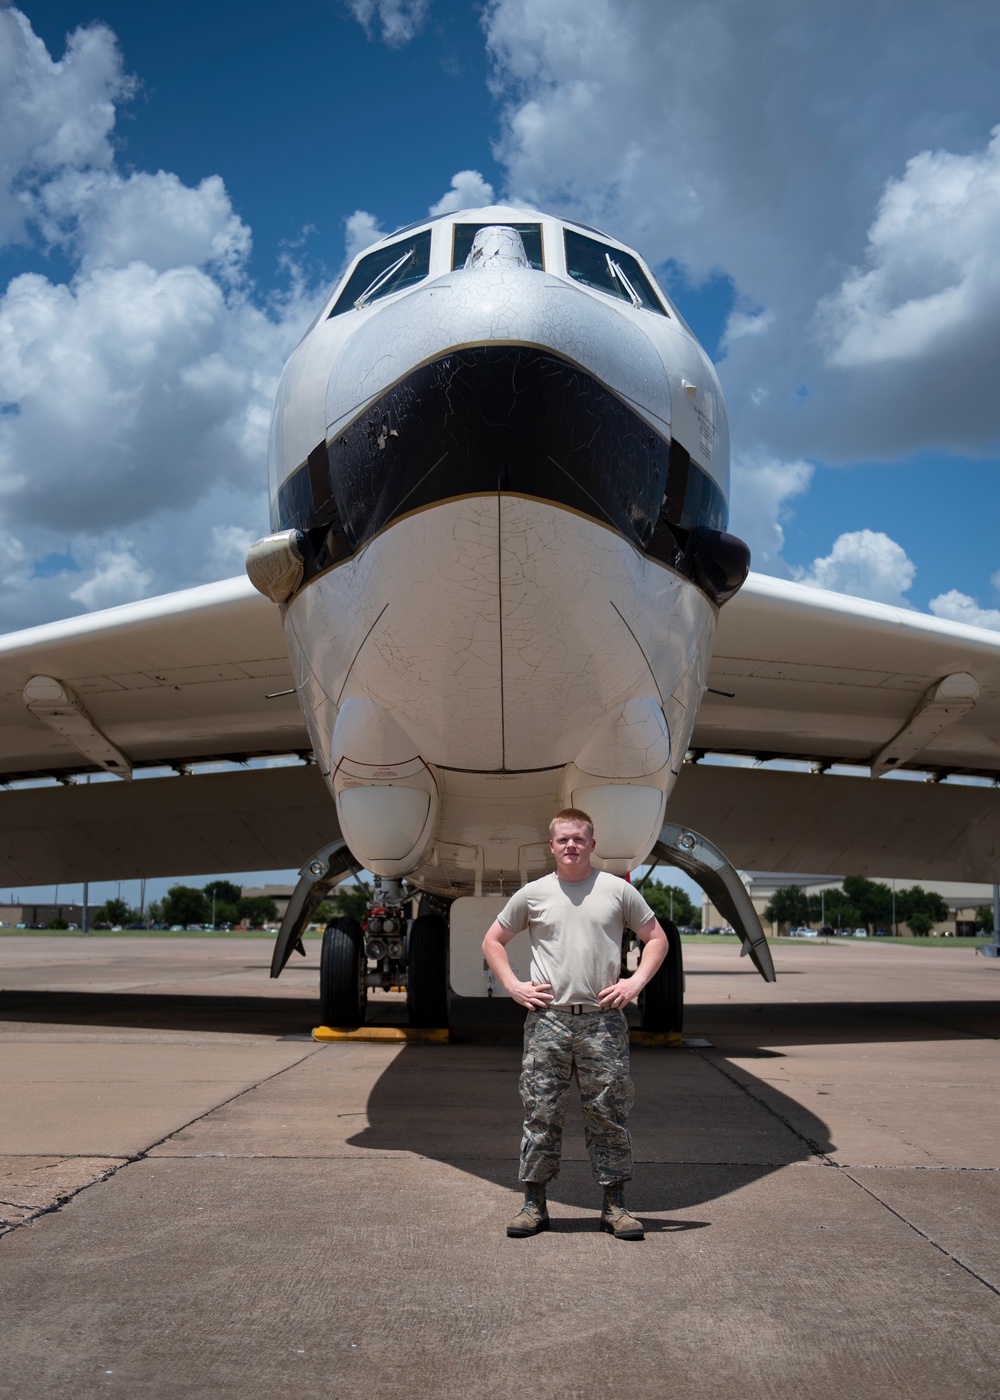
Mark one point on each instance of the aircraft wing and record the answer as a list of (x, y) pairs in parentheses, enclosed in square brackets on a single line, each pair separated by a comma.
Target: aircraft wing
[(811, 675), (172, 680), (187, 678), (818, 676)]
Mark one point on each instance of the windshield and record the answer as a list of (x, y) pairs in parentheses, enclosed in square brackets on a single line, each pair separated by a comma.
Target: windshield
[(387, 270), (610, 270), (531, 237)]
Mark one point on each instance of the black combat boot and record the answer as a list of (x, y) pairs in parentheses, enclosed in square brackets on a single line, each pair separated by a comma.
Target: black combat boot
[(533, 1217), (615, 1218)]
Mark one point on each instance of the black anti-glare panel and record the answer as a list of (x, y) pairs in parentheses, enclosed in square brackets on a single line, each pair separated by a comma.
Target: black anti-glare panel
[(499, 418)]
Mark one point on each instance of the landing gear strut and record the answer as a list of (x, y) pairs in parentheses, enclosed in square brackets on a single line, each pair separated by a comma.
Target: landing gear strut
[(411, 952)]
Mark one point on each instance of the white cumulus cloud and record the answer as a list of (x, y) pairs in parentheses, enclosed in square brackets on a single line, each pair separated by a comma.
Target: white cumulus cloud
[(361, 230), (731, 138), (398, 20), (116, 577), (864, 564), (954, 606), (762, 488), (468, 191), (110, 221), (933, 275), (136, 393), (54, 114)]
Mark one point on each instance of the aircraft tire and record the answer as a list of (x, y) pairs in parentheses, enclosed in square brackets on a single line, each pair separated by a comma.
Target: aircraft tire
[(427, 972), (342, 968), (661, 1003)]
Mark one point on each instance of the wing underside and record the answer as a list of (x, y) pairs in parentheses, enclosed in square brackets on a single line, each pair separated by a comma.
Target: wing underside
[(203, 676)]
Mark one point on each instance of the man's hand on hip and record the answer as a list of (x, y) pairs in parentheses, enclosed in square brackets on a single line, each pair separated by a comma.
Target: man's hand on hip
[(536, 996), (620, 993)]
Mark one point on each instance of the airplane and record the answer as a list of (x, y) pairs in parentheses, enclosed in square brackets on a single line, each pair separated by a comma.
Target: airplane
[(499, 581)]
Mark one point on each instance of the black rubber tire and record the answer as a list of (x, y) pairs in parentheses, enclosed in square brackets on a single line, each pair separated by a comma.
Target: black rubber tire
[(427, 972), (343, 995), (661, 1003)]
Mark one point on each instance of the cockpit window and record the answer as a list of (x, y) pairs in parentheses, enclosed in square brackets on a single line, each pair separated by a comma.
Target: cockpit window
[(387, 270), (609, 270), (531, 237)]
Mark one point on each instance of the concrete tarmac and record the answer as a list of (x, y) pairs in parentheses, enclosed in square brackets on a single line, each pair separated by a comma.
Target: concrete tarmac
[(200, 1201)]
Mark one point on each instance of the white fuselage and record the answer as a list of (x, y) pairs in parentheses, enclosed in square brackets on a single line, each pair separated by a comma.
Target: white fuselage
[(488, 628)]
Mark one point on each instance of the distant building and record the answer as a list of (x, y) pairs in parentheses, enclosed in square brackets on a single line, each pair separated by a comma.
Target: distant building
[(281, 894), (962, 899), (33, 915)]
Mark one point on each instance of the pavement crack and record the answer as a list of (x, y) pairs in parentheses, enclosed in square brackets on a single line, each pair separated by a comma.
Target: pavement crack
[(844, 1171), (35, 1212), (814, 1148), (827, 1160), (224, 1103), (128, 1159)]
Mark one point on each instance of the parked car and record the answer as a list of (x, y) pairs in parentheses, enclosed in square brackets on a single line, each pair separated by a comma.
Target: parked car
[(860, 933), (802, 933)]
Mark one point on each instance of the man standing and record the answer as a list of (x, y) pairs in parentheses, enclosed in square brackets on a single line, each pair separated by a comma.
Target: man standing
[(575, 997)]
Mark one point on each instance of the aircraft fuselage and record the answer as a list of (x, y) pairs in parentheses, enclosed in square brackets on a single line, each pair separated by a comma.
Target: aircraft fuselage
[(499, 471)]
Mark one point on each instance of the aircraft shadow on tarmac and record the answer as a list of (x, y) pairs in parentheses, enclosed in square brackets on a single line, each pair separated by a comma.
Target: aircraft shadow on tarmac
[(688, 1150), (468, 1116), (466, 1113), (459, 1104)]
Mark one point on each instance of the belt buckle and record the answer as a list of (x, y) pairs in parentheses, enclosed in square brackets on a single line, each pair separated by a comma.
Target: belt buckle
[(577, 1008)]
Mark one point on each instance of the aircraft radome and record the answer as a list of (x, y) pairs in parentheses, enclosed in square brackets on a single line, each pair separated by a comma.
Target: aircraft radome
[(499, 469)]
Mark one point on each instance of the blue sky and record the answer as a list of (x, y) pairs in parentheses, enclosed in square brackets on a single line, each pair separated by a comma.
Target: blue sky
[(820, 191)]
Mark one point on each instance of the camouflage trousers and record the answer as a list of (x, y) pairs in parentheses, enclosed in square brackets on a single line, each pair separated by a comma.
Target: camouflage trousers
[(594, 1048)]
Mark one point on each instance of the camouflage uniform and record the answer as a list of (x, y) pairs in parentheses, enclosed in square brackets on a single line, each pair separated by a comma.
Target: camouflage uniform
[(594, 1046)]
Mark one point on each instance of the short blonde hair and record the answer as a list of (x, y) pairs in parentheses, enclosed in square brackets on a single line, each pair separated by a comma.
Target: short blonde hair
[(571, 814)]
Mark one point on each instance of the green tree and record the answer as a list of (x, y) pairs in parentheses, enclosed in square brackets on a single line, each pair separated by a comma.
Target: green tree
[(114, 911), (256, 910), (350, 900), (920, 910), (57, 921), (871, 900), (154, 912), (659, 898), (919, 923), (788, 905), (222, 898), (224, 890), (984, 917), (184, 905), (833, 908)]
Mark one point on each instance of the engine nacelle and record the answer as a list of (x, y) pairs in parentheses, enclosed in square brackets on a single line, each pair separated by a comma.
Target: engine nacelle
[(387, 798)]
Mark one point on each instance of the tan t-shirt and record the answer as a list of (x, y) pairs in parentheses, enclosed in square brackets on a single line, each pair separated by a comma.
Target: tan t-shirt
[(576, 930)]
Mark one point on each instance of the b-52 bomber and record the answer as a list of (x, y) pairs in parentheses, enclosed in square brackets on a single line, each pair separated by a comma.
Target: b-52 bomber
[(499, 581)]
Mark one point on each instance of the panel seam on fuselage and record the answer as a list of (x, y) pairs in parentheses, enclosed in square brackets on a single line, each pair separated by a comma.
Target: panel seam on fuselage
[(479, 496)]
